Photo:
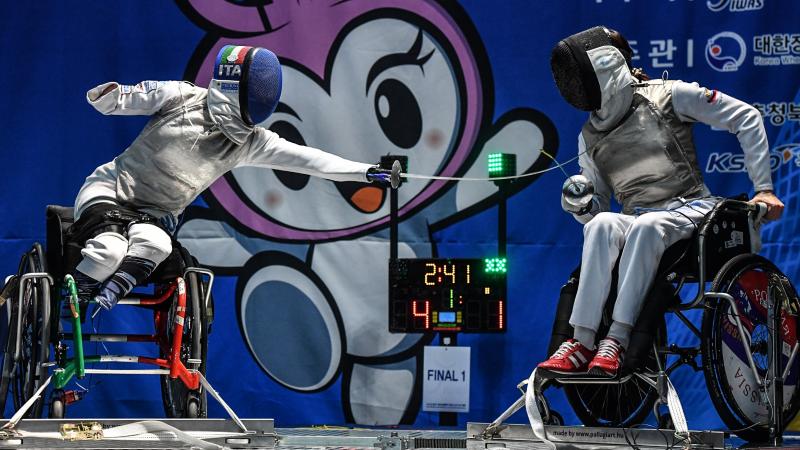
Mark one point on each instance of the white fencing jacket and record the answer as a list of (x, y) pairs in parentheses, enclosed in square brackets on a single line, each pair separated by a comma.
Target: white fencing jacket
[(195, 136), (693, 103)]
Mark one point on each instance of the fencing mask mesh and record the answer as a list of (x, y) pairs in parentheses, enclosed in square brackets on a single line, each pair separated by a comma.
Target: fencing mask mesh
[(573, 71), (259, 75)]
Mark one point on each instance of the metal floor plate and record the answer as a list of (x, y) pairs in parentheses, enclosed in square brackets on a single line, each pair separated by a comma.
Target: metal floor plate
[(44, 433), (579, 437), (348, 438)]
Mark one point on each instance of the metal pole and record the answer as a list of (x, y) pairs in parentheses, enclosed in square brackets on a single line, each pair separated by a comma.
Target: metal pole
[(448, 419), (775, 371), (502, 217), (386, 163), (393, 238)]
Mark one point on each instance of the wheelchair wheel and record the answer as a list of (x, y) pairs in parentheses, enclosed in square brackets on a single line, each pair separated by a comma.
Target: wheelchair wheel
[(8, 293), (23, 367), (617, 405), (178, 400), (730, 380), (57, 406)]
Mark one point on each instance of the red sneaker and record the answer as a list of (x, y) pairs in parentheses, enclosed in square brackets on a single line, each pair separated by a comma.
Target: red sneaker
[(608, 359), (571, 357)]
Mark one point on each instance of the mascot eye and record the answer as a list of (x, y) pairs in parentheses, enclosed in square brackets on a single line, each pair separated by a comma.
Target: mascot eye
[(284, 129), (398, 113)]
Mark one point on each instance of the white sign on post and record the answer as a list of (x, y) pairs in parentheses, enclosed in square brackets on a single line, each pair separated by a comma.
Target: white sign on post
[(445, 386)]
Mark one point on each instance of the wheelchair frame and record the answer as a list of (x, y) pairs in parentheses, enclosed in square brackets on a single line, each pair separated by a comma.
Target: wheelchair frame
[(771, 385), (171, 366), (170, 344)]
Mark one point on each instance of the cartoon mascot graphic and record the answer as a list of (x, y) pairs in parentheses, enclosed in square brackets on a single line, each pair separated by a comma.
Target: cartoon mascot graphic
[(362, 79)]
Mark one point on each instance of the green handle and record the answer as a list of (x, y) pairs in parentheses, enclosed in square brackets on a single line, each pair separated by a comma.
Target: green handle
[(76, 324)]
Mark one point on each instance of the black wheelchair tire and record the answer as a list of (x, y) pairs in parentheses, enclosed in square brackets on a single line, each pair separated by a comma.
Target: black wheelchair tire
[(57, 408), (720, 390), (8, 351), (192, 408), (624, 405), (665, 422), (26, 375), (180, 402), (555, 419)]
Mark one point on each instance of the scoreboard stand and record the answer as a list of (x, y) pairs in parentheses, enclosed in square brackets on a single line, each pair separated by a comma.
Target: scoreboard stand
[(449, 295), (448, 419)]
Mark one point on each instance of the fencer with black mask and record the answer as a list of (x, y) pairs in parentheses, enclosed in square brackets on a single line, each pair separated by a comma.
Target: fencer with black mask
[(195, 136), (637, 144)]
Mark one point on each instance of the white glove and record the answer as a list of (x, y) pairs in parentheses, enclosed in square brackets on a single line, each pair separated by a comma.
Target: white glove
[(576, 195)]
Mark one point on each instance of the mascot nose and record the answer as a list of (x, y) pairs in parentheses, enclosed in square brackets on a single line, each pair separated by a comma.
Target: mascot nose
[(368, 198)]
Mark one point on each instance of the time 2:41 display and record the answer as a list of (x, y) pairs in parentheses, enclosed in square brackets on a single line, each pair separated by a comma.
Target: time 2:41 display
[(438, 274)]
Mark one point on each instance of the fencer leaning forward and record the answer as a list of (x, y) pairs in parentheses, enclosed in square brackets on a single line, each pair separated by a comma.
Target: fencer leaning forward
[(127, 208)]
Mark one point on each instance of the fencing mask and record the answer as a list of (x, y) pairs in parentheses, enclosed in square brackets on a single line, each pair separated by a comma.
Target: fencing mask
[(573, 71), (258, 74)]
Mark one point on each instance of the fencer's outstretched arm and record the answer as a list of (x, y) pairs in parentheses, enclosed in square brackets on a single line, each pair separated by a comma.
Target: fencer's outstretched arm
[(601, 201), (694, 103), (145, 98), (269, 150)]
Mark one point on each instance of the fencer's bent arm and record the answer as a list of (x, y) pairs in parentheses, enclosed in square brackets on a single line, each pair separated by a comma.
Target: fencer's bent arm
[(145, 98), (269, 150), (601, 201), (694, 103)]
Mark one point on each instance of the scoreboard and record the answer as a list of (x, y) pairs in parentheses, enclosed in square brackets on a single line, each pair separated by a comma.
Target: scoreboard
[(453, 295)]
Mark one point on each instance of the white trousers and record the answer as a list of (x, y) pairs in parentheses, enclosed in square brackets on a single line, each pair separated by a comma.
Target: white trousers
[(103, 254), (642, 240)]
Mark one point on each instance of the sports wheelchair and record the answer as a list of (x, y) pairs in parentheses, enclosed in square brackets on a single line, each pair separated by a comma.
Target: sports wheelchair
[(44, 316), (751, 372)]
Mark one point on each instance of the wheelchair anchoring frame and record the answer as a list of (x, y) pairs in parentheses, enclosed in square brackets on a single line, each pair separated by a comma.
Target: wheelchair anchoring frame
[(774, 404), (171, 366), (773, 398)]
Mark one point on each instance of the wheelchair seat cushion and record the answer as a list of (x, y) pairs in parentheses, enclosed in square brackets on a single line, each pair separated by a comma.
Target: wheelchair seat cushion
[(66, 239)]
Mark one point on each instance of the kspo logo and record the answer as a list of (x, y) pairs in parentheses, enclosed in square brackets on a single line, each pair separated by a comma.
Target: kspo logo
[(735, 5), (727, 162), (725, 51)]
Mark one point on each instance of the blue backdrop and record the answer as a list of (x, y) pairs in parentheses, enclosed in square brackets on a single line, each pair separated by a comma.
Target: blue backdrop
[(487, 87)]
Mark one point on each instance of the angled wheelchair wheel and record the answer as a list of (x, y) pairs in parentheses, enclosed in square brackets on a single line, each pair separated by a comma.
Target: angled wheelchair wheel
[(27, 347), (727, 371), (179, 401), (8, 293)]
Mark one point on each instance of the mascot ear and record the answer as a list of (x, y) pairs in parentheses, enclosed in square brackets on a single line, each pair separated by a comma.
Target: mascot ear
[(227, 17)]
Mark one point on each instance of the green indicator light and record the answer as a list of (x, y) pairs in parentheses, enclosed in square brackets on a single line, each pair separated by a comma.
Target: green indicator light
[(451, 299), (502, 164), (495, 265)]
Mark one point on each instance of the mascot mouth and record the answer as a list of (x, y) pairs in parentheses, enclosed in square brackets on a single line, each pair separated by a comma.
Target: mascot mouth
[(366, 199)]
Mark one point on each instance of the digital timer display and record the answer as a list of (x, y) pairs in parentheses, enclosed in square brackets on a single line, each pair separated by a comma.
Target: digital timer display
[(454, 295)]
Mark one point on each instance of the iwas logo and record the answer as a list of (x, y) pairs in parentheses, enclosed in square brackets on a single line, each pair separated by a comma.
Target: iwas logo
[(727, 162), (735, 5)]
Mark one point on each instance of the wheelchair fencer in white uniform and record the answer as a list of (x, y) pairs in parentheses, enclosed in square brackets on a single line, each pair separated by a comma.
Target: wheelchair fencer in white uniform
[(194, 137), (637, 144)]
